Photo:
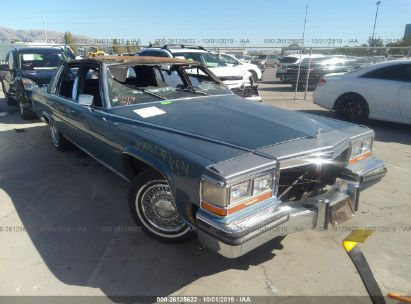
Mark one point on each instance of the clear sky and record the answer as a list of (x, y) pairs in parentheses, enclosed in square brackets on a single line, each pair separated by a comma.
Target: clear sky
[(208, 19)]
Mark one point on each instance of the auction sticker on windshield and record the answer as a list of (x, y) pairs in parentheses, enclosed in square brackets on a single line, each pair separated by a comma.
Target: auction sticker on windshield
[(149, 112)]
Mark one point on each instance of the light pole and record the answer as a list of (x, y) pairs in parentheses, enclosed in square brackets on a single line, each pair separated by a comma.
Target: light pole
[(375, 22)]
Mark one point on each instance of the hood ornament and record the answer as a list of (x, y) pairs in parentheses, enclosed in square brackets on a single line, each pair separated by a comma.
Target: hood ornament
[(317, 133)]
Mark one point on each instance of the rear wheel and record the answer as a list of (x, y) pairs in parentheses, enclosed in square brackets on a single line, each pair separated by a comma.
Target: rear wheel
[(352, 107), (152, 205), (58, 140)]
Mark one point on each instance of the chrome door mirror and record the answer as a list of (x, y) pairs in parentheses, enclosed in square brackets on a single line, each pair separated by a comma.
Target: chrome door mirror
[(85, 99)]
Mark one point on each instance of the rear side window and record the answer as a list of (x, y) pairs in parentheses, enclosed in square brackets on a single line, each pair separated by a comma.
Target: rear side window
[(289, 60), (399, 72), (153, 53), (67, 83)]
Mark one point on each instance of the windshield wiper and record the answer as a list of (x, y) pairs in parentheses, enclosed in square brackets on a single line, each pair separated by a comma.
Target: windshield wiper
[(148, 92), (193, 90)]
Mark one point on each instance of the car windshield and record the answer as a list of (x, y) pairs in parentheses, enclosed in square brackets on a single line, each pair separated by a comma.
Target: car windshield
[(43, 60), (130, 84), (207, 59)]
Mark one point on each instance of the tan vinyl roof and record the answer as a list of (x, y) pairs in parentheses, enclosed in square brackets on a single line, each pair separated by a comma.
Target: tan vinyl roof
[(143, 59)]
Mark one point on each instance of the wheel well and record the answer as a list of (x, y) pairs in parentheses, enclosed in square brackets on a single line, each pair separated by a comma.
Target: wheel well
[(341, 99), (133, 166)]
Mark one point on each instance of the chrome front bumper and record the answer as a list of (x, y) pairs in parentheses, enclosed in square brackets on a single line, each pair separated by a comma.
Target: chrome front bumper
[(240, 233)]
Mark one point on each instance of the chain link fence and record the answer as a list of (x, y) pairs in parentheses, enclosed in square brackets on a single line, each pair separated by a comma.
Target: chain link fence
[(301, 76)]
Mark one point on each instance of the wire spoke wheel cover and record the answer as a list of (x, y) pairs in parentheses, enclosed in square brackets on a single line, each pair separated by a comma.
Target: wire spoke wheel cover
[(156, 209)]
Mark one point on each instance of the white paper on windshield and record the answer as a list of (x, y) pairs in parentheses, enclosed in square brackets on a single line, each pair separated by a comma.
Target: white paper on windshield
[(28, 57), (149, 112)]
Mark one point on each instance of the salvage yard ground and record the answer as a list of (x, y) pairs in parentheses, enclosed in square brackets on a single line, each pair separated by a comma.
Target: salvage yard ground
[(65, 228)]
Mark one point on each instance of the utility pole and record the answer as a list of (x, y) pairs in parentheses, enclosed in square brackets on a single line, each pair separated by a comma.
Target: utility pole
[(375, 22), (301, 51), (44, 25)]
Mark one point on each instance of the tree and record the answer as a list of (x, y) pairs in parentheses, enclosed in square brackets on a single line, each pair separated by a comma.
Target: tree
[(117, 48), (70, 41), (404, 43), (375, 42)]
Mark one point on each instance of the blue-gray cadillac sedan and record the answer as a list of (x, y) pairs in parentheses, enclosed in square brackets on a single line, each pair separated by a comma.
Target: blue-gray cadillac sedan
[(203, 161)]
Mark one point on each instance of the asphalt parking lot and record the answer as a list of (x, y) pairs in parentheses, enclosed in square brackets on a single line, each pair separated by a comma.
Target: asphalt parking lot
[(65, 228)]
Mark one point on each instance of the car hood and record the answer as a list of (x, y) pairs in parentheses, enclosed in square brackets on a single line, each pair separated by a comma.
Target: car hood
[(39, 76), (229, 119)]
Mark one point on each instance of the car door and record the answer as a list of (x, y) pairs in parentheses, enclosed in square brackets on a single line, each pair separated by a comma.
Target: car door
[(8, 76), (381, 88), (404, 96), (64, 100), (93, 132)]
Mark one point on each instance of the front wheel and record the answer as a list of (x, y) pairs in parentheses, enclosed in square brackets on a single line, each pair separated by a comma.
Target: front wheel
[(24, 113), (152, 205), (254, 76)]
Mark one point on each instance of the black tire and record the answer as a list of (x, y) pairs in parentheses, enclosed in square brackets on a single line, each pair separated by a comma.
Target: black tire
[(148, 187), (352, 107), (24, 113), (58, 140), (254, 75)]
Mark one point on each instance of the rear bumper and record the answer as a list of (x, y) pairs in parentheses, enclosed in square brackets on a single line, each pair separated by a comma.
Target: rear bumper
[(234, 237)]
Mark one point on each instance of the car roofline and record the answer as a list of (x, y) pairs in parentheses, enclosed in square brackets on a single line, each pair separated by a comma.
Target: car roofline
[(137, 60)]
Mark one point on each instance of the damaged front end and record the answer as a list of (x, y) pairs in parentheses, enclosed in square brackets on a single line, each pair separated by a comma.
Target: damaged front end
[(314, 190)]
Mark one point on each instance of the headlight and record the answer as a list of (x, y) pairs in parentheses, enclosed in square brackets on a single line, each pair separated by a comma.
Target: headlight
[(28, 84), (361, 150), (262, 184), (240, 192), (225, 200)]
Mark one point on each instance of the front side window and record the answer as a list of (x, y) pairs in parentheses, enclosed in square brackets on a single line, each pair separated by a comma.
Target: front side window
[(399, 72), (10, 60), (133, 84), (90, 84)]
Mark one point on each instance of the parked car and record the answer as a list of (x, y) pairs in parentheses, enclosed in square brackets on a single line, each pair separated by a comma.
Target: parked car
[(201, 159), (247, 58), (252, 68), (239, 80), (381, 91), (259, 60), (26, 69), (290, 60), (315, 68)]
